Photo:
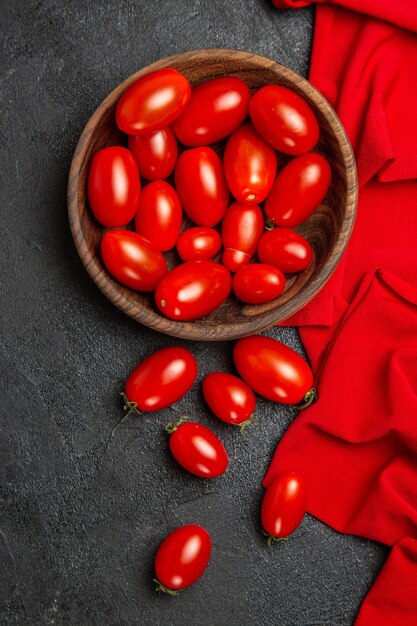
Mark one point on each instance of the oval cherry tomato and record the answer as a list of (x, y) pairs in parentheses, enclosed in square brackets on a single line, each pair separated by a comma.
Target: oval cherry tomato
[(161, 379), (193, 289), (284, 505), (201, 186), (229, 397), (242, 228), (182, 558), (152, 102), (250, 165), (198, 243), (272, 369), (298, 190), (198, 450), (155, 154), (113, 186), (132, 260), (285, 249), (159, 215), (258, 283), (216, 108), (284, 119)]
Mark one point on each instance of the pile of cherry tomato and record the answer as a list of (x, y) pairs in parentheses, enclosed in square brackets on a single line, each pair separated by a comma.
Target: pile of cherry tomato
[(266, 367), (220, 196)]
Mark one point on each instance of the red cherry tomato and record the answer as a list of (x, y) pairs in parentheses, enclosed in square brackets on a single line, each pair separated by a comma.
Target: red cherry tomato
[(198, 243), (250, 165), (132, 260), (285, 249), (242, 228), (216, 108), (229, 397), (258, 283), (284, 505), (161, 379), (298, 190), (152, 102), (272, 369), (113, 186), (182, 558), (193, 289), (201, 186), (155, 154), (284, 119), (159, 215), (198, 450)]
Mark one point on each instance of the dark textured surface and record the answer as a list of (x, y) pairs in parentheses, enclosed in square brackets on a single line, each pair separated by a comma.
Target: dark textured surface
[(82, 514)]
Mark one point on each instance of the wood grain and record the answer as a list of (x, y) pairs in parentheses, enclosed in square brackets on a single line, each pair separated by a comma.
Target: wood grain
[(328, 229)]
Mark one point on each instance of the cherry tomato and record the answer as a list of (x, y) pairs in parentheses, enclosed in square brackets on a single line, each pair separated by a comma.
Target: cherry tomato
[(201, 186), (161, 379), (298, 190), (284, 505), (155, 154), (258, 283), (216, 108), (193, 289), (182, 558), (198, 450), (272, 369), (242, 228), (113, 186), (284, 119), (152, 102), (132, 260), (250, 165), (159, 215), (229, 397), (285, 249), (198, 243)]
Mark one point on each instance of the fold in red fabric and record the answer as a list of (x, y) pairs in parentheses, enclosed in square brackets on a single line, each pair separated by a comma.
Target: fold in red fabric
[(360, 332)]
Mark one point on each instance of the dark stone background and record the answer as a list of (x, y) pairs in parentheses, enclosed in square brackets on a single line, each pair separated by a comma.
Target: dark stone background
[(82, 516)]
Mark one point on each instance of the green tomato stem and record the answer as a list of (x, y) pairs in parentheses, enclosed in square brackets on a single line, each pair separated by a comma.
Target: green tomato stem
[(309, 398), (172, 426), (164, 589)]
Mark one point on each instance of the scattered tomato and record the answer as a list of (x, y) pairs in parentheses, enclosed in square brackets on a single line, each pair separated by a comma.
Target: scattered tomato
[(198, 243), (285, 249), (216, 108), (258, 283), (182, 558), (197, 449), (284, 119), (152, 102), (193, 289), (298, 190), (250, 165), (229, 397), (113, 186), (159, 215), (161, 379), (132, 260), (242, 228), (201, 186), (284, 505), (155, 154), (272, 369)]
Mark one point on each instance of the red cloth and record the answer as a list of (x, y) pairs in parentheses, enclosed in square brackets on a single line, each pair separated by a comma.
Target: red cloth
[(360, 332)]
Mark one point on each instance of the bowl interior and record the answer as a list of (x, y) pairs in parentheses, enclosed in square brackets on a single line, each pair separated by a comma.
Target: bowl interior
[(328, 229)]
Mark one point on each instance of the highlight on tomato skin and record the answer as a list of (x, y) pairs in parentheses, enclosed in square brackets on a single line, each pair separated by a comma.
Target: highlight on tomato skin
[(284, 505), (285, 249), (198, 243), (242, 228), (160, 379), (258, 283), (182, 558), (197, 449), (272, 369), (159, 215), (155, 154), (229, 398)]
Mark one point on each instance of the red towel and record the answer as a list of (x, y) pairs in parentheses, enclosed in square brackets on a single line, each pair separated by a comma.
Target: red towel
[(360, 332)]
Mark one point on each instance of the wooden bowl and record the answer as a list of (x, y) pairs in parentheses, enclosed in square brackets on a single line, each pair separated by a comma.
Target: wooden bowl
[(328, 229)]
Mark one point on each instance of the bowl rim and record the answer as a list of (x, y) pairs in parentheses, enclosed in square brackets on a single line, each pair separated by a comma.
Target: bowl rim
[(117, 293)]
